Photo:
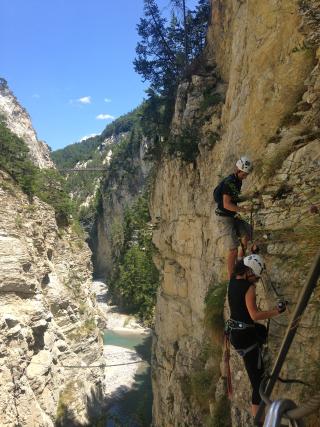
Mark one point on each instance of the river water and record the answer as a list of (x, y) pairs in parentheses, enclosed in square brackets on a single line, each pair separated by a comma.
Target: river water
[(132, 408), (127, 352)]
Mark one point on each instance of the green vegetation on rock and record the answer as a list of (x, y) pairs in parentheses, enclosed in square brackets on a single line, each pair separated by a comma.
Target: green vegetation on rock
[(47, 184), (135, 278), (168, 53), (90, 154), (214, 304), (15, 161), (199, 386), (221, 416)]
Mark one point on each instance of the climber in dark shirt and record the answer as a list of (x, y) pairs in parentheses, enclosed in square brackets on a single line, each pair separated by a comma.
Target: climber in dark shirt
[(246, 336), (227, 197)]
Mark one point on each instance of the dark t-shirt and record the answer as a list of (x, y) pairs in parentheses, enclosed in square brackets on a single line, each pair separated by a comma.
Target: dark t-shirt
[(237, 300), (242, 339), (231, 185)]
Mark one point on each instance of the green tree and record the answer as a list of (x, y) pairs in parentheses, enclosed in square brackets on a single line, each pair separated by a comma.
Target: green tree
[(165, 55), (14, 159), (158, 58), (198, 19), (135, 279), (117, 237), (166, 48), (138, 282), (49, 186)]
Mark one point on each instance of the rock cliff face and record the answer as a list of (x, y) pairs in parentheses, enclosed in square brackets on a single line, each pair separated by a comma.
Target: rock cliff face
[(265, 62), (18, 121), (122, 185), (48, 318)]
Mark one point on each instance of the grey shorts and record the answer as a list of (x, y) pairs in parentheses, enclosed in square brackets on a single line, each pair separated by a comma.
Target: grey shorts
[(231, 229)]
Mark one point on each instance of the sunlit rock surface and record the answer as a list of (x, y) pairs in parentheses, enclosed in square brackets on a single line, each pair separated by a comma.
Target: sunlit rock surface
[(263, 61), (48, 318), (18, 121)]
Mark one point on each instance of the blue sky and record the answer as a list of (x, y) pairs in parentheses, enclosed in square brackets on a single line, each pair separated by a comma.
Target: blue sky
[(69, 63)]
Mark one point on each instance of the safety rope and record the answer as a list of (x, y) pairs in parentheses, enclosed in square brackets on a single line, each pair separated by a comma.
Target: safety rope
[(227, 365), (286, 381), (278, 295), (307, 408), (310, 406), (313, 403), (103, 365), (302, 303), (251, 221)]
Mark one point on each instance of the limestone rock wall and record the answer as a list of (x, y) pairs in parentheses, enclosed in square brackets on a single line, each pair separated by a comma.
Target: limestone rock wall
[(18, 121), (264, 59), (118, 191), (48, 318)]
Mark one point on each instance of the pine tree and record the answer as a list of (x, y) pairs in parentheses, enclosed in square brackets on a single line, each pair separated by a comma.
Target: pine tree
[(166, 48)]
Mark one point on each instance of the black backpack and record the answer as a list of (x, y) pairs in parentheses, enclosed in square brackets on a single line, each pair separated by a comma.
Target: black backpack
[(217, 192)]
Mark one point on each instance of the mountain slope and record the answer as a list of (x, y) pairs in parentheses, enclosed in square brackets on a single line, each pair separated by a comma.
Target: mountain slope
[(18, 121)]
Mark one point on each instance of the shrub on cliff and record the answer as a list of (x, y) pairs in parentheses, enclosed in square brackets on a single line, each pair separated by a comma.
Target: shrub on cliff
[(47, 184), (214, 305), (185, 145), (14, 159)]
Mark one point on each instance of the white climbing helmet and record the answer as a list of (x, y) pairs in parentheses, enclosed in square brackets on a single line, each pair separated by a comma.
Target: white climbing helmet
[(244, 164), (256, 263)]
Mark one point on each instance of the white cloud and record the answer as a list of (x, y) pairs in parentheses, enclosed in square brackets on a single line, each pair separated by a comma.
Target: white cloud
[(88, 136), (35, 95), (107, 100), (105, 117), (84, 100)]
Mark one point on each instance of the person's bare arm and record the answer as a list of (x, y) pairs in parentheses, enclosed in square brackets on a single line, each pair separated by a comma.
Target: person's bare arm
[(249, 196), (227, 204), (245, 197), (254, 312)]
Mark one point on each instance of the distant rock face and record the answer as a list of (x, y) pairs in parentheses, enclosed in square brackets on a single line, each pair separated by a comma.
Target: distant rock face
[(48, 319), (105, 153), (118, 191), (19, 122), (265, 57)]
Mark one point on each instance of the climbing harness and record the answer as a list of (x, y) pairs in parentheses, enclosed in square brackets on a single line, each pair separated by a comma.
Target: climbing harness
[(302, 303), (244, 351), (231, 325), (235, 324), (284, 408)]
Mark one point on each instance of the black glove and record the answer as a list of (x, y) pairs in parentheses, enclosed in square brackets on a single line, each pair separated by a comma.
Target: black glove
[(282, 306)]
